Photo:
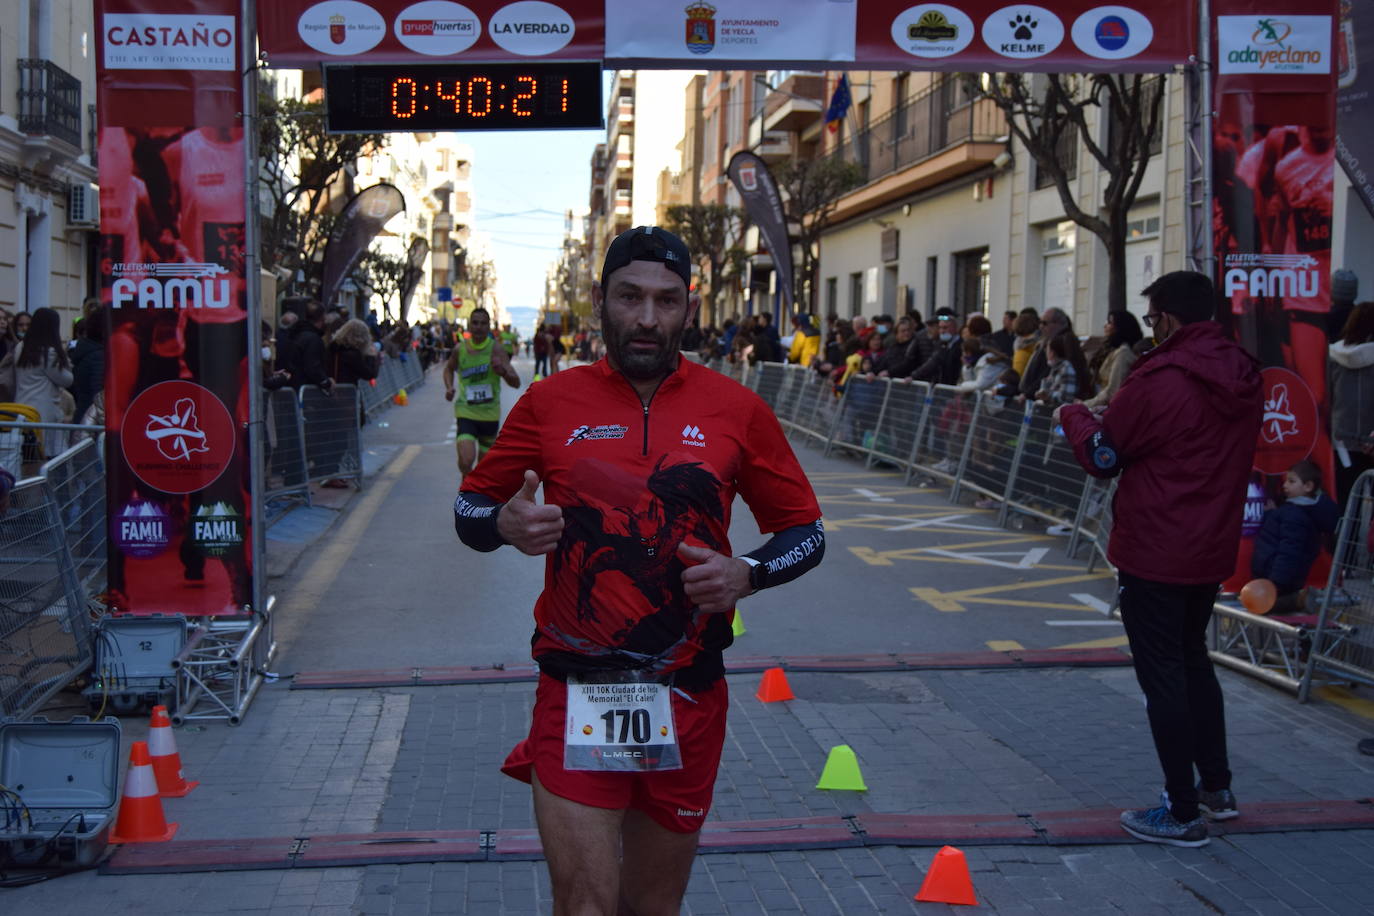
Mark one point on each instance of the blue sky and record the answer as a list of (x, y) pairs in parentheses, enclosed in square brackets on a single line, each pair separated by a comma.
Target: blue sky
[(522, 184)]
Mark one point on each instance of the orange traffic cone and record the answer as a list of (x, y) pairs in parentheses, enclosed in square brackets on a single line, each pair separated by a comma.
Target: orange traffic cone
[(162, 747), (948, 880), (774, 687), (140, 812)]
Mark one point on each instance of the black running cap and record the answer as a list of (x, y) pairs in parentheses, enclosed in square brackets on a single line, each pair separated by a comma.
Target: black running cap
[(648, 243)]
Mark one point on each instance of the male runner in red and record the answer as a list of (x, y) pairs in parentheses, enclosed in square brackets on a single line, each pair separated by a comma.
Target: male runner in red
[(640, 455)]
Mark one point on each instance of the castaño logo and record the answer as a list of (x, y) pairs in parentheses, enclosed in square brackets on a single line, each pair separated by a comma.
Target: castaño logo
[(164, 41)]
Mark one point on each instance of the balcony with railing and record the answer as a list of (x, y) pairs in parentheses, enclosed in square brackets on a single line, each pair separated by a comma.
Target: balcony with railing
[(795, 104), (49, 102), (936, 136)]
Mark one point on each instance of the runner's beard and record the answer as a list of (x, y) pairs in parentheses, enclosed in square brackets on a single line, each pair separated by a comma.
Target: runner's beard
[(641, 365)]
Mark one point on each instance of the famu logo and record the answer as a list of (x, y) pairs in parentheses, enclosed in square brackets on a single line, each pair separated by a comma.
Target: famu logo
[(216, 529), (142, 528), (170, 286), (1272, 275), (1274, 44)]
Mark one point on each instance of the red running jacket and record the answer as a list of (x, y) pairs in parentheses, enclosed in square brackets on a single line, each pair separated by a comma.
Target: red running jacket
[(634, 482), (1183, 429)]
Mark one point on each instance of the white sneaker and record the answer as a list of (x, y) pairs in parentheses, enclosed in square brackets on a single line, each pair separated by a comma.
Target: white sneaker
[(944, 466), (1060, 531)]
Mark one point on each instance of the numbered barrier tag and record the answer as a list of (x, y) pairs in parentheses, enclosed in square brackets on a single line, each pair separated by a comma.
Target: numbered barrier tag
[(620, 721)]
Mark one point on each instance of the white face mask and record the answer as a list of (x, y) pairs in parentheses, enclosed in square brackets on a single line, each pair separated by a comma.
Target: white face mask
[(266, 352), (946, 337)]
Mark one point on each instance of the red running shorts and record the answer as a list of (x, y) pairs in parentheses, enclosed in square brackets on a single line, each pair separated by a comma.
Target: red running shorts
[(677, 800)]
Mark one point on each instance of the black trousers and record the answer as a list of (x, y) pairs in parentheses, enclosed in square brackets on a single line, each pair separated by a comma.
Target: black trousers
[(1167, 628)]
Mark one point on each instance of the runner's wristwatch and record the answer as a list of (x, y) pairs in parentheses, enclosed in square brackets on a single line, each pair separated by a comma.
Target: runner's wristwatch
[(758, 574)]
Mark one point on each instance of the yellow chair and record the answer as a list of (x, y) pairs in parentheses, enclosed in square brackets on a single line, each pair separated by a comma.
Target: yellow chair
[(16, 454)]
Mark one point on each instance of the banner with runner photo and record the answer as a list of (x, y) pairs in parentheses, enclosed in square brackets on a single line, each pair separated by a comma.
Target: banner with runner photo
[(172, 250), (1273, 185)]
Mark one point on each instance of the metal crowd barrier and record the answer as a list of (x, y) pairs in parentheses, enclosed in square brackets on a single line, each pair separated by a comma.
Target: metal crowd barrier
[(393, 374), (1004, 450), (285, 446), (1342, 643), (333, 446), (312, 436), (52, 561)]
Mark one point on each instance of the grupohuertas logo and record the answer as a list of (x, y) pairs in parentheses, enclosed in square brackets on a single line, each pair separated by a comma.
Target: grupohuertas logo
[(437, 27), (216, 529), (191, 285), (1274, 44), (1273, 276)]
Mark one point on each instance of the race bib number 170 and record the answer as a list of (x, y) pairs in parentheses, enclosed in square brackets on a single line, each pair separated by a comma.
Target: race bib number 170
[(616, 721)]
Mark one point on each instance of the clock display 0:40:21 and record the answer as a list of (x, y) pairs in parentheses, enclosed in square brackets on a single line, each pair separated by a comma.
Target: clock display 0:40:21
[(475, 97)]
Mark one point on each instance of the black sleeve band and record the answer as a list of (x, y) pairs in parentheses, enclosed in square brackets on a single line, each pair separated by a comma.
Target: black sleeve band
[(474, 518), (791, 552)]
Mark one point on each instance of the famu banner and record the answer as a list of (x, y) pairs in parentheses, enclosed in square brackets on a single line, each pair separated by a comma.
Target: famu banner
[(1273, 186), (172, 275)]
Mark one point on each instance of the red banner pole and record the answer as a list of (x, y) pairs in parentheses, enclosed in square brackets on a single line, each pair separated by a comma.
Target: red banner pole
[(1273, 183)]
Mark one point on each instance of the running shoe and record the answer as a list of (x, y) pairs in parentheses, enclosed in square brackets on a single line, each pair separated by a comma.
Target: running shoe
[(1218, 806), (1158, 825)]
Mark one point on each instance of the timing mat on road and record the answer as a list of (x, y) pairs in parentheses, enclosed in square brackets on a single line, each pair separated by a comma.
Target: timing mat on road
[(911, 661), (1090, 827)]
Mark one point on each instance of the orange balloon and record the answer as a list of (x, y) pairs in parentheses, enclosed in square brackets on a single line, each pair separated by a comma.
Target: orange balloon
[(1258, 596)]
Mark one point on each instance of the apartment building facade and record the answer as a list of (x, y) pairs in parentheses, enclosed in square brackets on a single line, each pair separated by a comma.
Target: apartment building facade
[(49, 205)]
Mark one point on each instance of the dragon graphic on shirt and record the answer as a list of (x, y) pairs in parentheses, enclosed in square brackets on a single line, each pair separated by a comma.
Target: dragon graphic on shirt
[(678, 502)]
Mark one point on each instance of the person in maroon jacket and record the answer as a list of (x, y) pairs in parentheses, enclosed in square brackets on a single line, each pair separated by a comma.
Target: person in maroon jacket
[(1181, 434)]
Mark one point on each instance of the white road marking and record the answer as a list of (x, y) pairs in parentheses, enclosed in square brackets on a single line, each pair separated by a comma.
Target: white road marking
[(1082, 623), (1028, 558), (944, 521), (873, 497), (1094, 602)]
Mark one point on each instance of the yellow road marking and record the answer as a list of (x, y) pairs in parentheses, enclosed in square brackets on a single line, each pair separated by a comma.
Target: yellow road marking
[(1022, 602), (1004, 645), (935, 599), (1041, 583), (315, 581), (1111, 642), (870, 556), (1347, 701)]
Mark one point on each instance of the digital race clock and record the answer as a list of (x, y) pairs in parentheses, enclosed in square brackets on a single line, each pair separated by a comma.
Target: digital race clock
[(547, 95)]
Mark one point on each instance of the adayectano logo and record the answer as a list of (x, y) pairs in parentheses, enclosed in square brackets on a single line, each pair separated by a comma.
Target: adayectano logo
[(177, 437), (1274, 44)]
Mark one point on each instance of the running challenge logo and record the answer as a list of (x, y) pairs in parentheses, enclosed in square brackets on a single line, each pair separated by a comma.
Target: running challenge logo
[(170, 286), (1288, 430), (1275, 276), (1274, 44), (177, 437), (157, 41)]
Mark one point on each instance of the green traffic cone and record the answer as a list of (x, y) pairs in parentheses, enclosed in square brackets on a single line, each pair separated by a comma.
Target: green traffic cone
[(737, 625), (842, 771)]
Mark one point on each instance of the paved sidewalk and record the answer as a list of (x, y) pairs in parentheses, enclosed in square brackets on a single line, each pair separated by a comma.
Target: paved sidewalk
[(959, 742)]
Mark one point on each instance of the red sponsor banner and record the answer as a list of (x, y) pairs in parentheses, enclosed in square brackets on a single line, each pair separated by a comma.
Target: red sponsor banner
[(300, 33), (1073, 35), (172, 273), (1064, 36), (1273, 186)]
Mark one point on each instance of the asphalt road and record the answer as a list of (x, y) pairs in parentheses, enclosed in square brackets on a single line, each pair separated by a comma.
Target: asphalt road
[(905, 570)]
